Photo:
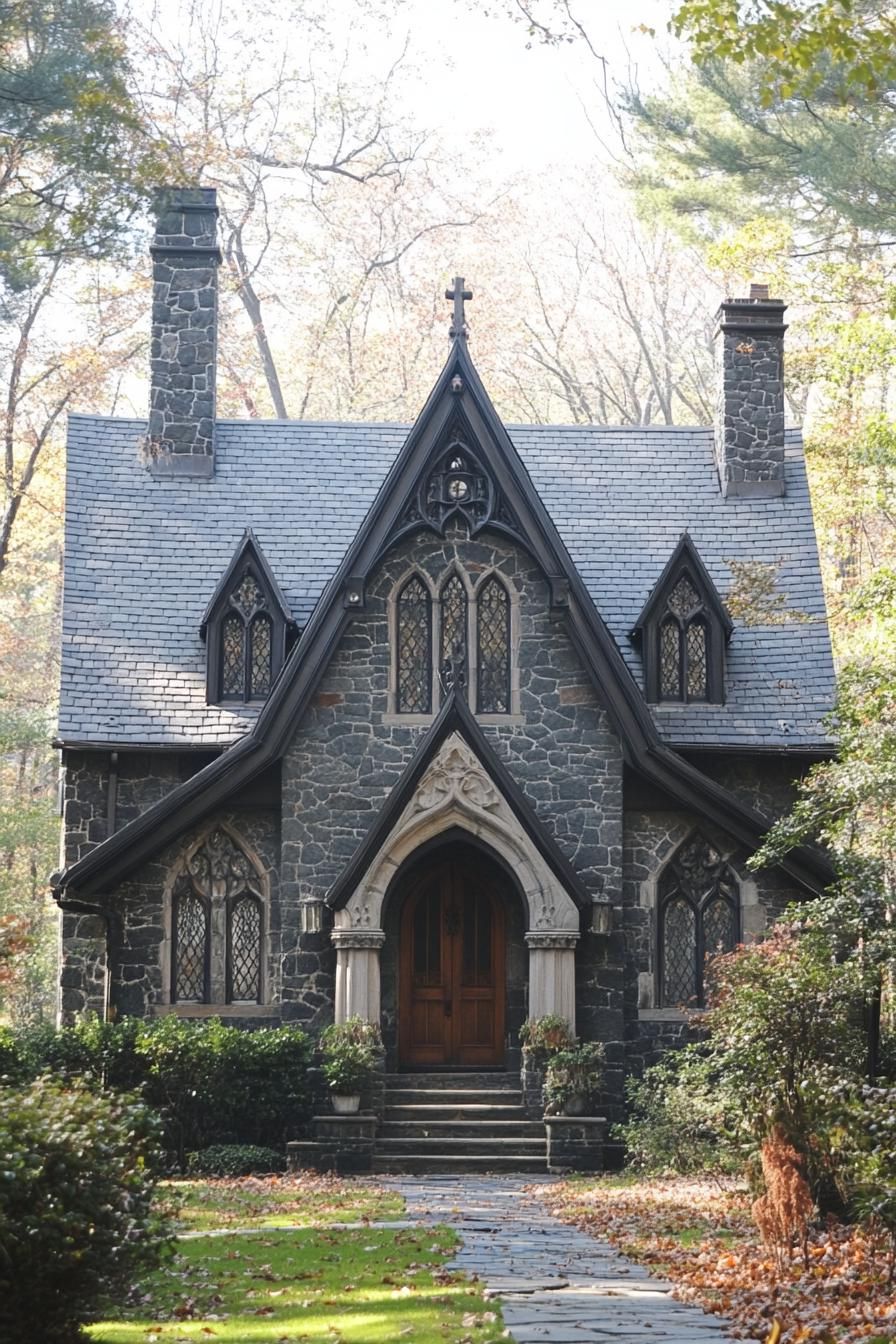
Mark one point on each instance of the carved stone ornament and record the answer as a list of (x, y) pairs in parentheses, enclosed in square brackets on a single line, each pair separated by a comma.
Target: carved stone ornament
[(219, 869), (458, 488), (553, 941), (369, 939), (455, 777)]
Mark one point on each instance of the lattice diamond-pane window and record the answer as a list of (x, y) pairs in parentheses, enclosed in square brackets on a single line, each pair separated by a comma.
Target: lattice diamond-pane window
[(414, 669), (260, 656), (684, 597), (245, 950), (718, 927), (670, 660), (247, 595), (454, 621), (191, 936), (695, 637), (494, 649), (233, 635), (679, 953)]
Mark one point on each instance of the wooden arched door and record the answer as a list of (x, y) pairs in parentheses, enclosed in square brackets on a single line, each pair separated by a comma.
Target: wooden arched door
[(452, 965)]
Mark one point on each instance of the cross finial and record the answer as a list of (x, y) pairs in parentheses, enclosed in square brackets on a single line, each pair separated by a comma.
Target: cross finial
[(458, 294)]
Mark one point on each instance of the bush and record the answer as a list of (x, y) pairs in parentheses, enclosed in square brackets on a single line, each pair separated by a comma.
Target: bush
[(682, 1121), (235, 1159), (210, 1083), (76, 1183)]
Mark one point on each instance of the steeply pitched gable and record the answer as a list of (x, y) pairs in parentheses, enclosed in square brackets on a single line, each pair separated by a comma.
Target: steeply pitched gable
[(458, 397)]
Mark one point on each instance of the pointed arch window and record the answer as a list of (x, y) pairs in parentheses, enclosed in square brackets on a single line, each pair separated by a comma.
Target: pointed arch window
[(246, 625), (684, 628), (453, 633), (217, 926), (698, 918), (493, 652), (414, 650)]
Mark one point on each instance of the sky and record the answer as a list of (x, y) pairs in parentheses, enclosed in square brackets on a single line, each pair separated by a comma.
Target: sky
[(483, 75)]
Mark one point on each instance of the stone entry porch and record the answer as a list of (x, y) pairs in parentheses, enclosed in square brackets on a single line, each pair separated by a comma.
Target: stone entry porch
[(460, 1123)]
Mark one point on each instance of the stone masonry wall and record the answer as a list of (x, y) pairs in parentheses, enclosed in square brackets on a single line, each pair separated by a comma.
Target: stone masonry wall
[(651, 837), (349, 753), (750, 383), (185, 260)]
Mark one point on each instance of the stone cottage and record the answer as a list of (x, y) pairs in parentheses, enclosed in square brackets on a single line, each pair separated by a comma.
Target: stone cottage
[(447, 725)]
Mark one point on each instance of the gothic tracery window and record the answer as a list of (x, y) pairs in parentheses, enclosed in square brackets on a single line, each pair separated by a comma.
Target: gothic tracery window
[(246, 625), (414, 648), (493, 627), (698, 918), (684, 627), (436, 636), (453, 633), (246, 643), (217, 926)]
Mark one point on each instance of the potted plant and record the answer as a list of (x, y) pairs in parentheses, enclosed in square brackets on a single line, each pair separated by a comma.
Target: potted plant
[(349, 1050), (540, 1037), (573, 1077)]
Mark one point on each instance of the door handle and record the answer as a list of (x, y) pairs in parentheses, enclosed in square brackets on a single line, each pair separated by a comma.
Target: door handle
[(447, 1007)]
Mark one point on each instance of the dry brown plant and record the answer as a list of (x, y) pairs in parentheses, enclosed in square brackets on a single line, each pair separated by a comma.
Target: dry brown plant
[(782, 1214)]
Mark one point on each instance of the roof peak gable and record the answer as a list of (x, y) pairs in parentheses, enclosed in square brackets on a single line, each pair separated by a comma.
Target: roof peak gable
[(248, 552), (685, 559), (455, 719)]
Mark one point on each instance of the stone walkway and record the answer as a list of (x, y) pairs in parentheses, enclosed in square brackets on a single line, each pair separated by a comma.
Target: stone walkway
[(554, 1282)]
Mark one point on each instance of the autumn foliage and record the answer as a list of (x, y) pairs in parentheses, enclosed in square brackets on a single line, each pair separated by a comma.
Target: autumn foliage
[(782, 1214)]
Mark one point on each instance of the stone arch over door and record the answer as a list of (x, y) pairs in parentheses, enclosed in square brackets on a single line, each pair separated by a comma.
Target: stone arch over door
[(457, 794)]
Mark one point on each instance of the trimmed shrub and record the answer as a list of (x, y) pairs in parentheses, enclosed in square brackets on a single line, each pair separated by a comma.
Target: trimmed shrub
[(235, 1159), (76, 1183), (209, 1082)]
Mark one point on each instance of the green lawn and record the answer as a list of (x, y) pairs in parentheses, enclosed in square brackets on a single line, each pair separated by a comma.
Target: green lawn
[(310, 1283), (271, 1201)]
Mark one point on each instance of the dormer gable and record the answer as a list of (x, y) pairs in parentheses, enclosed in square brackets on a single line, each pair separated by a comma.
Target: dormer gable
[(684, 629), (246, 626)]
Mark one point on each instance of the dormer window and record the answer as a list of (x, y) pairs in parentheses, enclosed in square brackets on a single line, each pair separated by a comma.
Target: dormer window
[(684, 628), (247, 646), (245, 627)]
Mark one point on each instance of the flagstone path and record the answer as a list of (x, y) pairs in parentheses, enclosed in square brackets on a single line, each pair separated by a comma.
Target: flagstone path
[(554, 1282)]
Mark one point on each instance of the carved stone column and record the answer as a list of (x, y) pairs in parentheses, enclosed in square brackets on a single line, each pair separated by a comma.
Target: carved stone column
[(552, 975), (358, 973)]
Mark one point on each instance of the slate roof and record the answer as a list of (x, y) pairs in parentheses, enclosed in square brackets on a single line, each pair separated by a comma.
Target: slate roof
[(144, 555)]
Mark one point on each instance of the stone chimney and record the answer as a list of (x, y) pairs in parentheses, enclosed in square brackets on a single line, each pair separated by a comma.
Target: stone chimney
[(185, 260), (750, 390)]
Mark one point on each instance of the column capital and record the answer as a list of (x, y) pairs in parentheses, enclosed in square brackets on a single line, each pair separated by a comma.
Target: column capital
[(552, 940), (368, 939)]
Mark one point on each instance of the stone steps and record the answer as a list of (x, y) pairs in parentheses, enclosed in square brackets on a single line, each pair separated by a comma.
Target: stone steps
[(456, 1122)]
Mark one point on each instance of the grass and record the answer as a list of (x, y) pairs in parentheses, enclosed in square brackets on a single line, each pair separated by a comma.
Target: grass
[(272, 1201), (305, 1283)]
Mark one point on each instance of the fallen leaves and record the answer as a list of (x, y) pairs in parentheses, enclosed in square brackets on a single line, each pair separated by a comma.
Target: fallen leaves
[(701, 1237)]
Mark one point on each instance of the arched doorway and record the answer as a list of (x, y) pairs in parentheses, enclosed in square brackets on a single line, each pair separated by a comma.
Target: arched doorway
[(452, 985)]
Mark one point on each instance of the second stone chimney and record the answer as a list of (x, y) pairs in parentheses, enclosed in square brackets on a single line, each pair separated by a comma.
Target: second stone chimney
[(185, 260), (750, 388)]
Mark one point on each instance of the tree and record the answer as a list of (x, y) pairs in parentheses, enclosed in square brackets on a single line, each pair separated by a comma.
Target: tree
[(74, 159), (320, 176), (802, 46)]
